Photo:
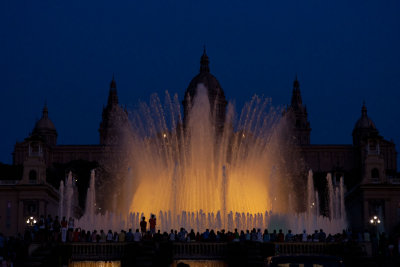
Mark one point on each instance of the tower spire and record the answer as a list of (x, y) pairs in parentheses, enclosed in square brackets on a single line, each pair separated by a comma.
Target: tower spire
[(296, 84), (297, 114), (296, 94), (364, 110), (45, 113), (204, 61), (112, 96), (113, 84)]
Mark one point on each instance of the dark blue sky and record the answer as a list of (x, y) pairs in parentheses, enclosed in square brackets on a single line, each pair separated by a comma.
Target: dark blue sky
[(65, 52)]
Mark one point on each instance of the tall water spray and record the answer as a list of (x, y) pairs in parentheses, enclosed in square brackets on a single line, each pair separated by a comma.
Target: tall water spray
[(195, 175), (61, 203), (69, 196), (90, 207)]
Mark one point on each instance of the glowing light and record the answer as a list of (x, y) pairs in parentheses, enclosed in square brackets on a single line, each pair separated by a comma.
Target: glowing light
[(375, 220), (31, 221)]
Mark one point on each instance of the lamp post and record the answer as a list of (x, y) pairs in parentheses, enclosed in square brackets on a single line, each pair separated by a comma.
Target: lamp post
[(31, 221), (375, 221)]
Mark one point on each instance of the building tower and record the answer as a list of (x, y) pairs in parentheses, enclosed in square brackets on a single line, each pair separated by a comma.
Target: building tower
[(297, 117), (367, 143), (40, 142), (36, 150), (114, 118), (215, 94)]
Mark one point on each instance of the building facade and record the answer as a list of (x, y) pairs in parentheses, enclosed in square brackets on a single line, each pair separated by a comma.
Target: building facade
[(368, 163)]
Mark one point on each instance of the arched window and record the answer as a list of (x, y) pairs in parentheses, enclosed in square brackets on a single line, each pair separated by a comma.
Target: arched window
[(32, 176), (375, 173)]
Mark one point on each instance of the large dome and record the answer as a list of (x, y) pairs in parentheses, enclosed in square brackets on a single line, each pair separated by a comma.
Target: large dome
[(209, 81), (215, 93)]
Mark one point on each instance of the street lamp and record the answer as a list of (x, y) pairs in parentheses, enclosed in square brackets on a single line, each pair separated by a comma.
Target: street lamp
[(375, 220), (31, 221)]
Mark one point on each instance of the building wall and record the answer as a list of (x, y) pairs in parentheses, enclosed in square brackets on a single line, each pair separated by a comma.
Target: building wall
[(60, 153), (326, 158), (16, 203)]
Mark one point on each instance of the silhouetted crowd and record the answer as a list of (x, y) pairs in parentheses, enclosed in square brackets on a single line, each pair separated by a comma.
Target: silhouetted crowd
[(53, 230)]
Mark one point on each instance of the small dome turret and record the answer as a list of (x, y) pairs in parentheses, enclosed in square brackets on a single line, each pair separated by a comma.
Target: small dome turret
[(364, 128), (45, 128), (364, 122)]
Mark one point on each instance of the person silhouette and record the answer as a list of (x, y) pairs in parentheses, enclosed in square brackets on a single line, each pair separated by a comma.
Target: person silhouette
[(143, 225)]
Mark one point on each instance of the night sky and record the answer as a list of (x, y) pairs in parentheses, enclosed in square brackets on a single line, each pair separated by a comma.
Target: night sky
[(65, 53)]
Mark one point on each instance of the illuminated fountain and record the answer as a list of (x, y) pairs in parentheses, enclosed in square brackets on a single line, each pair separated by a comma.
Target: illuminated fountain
[(67, 198), (197, 176)]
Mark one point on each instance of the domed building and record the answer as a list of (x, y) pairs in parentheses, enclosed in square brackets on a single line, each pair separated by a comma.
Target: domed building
[(40, 163), (368, 164)]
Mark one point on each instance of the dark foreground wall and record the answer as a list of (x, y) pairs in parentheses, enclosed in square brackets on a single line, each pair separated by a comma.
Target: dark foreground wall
[(152, 253)]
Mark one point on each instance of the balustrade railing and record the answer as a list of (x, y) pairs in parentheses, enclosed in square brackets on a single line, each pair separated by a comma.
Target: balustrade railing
[(103, 251), (195, 250), (303, 248), (199, 250)]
